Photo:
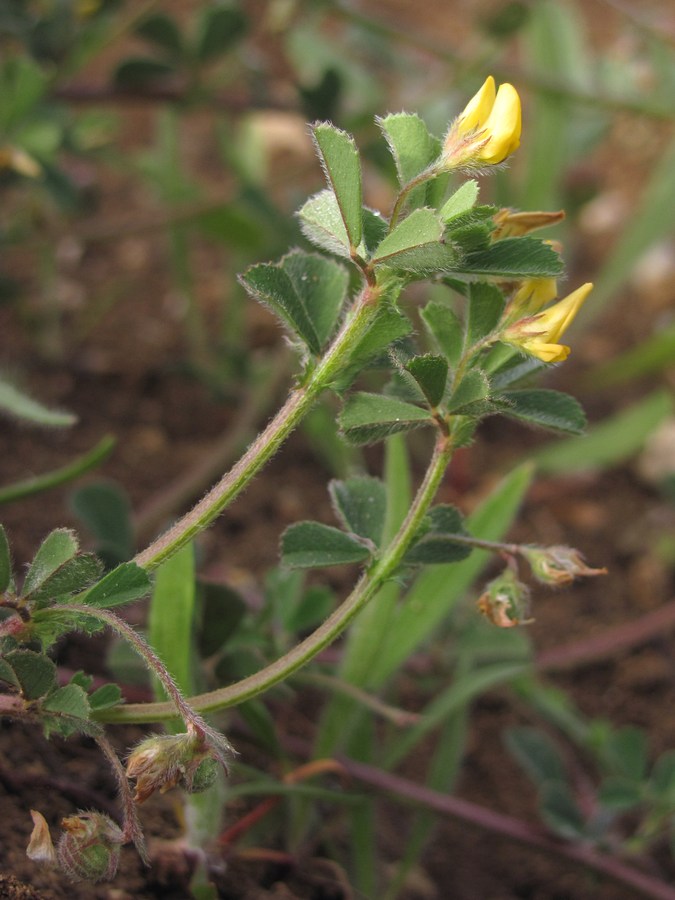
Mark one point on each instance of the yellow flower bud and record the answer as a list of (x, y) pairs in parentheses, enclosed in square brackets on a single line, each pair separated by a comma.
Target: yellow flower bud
[(515, 224), (487, 131), (538, 334)]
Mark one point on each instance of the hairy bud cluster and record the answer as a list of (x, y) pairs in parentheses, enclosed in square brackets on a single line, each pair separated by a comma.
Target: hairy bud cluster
[(558, 565), (88, 849), (162, 762), (506, 600)]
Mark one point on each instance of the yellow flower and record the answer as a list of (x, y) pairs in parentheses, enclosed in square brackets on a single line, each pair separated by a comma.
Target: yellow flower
[(531, 297), (538, 334), (487, 131)]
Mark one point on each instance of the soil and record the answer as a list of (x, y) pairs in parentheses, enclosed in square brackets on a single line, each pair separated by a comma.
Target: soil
[(119, 360)]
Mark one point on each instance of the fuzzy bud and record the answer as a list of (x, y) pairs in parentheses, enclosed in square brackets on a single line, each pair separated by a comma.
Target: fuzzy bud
[(558, 565), (506, 601), (161, 762), (89, 848)]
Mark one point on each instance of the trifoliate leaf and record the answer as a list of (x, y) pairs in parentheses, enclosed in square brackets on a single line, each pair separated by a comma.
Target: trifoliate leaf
[(342, 166), (367, 418), (307, 545), (361, 505)]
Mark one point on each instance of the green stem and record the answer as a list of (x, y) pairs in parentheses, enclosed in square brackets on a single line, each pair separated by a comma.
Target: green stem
[(366, 588), (269, 440)]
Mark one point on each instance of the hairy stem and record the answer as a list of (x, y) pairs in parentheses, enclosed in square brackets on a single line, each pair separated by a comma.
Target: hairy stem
[(132, 827), (366, 588), (269, 440)]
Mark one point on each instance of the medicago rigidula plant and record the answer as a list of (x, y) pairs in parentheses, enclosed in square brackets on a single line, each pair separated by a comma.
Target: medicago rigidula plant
[(342, 310)]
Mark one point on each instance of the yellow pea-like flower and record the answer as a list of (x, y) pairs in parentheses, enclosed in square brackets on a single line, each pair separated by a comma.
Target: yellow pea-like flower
[(539, 334), (487, 131)]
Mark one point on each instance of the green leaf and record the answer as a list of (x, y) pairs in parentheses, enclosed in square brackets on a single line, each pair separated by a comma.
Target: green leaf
[(307, 545), (272, 286), (374, 229), (5, 562), (367, 418), (435, 545), (105, 697), (75, 574), (139, 72), (536, 754), (171, 618), (163, 32), (445, 328), (422, 259), (662, 781), (340, 160), (7, 673), (361, 505), (473, 388), (321, 223), (411, 145), (460, 202), (626, 752), (486, 305), (560, 812), (34, 672), (620, 794), (58, 547), (519, 257), (431, 374), (549, 409), (321, 286), (609, 442), (220, 27), (69, 700), (421, 228), (125, 583), (104, 508), (388, 326), (19, 405)]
